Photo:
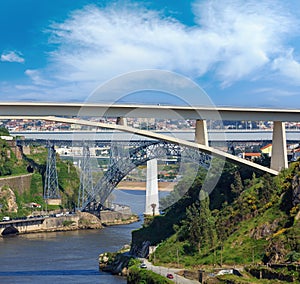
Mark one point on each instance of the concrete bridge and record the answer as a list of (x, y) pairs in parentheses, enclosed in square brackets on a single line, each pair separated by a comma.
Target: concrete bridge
[(58, 113), (103, 137), (201, 143), (200, 114)]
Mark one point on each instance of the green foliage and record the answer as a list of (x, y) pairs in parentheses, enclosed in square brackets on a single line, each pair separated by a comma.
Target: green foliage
[(181, 189), (134, 261), (253, 218), (68, 179), (162, 227), (68, 182), (4, 131), (138, 276), (9, 165), (67, 223), (237, 186), (198, 228), (293, 256)]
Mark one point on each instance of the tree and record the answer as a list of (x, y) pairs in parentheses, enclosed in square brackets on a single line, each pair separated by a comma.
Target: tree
[(237, 186), (4, 131), (198, 228)]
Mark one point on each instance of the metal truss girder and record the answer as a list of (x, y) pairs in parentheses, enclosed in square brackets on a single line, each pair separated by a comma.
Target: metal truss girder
[(86, 189), (51, 190), (122, 164)]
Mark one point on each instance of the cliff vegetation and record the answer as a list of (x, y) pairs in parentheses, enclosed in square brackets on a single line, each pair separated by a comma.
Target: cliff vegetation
[(248, 219)]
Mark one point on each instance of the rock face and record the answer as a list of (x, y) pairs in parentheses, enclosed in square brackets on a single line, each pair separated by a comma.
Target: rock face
[(115, 263), (8, 199), (296, 190), (88, 221), (140, 250), (264, 230), (117, 218)]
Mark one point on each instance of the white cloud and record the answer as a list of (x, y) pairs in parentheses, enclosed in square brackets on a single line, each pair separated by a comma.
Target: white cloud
[(288, 67), (250, 33), (12, 56), (233, 38), (36, 77)]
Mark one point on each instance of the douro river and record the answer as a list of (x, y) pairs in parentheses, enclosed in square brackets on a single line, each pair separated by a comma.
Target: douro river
[(66, 257)]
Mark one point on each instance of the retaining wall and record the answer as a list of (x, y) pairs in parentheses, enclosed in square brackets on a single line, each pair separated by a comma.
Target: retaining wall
[(19, 183)]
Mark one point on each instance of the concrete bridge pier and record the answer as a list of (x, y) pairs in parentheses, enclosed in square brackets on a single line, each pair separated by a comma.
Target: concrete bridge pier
[(122, 121), (152, 203), (279, 152), (201, 136)]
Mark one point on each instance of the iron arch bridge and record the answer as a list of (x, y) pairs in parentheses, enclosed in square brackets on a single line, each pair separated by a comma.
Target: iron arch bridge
[(125, 160)]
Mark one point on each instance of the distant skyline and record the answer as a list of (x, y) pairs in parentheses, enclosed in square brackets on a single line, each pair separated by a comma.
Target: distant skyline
[(241, 53)]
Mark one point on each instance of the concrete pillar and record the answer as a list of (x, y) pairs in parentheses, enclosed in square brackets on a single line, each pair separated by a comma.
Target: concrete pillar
[(279, 151), (122, 121), (152, 203), (201, 136)]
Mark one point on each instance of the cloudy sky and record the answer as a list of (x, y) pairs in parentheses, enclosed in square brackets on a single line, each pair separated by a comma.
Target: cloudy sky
[(240, 52)]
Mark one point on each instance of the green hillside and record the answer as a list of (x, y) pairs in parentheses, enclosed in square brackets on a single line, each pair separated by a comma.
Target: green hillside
[(248, 219), (68, 178), (35, 163)]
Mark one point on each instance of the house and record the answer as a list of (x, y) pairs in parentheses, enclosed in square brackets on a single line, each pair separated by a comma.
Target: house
[(251, 156), (267, 150)]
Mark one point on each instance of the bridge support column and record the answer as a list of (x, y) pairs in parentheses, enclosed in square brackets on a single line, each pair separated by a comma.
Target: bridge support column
[(279, 151), (152, 203), (122, 121), (201, 136)]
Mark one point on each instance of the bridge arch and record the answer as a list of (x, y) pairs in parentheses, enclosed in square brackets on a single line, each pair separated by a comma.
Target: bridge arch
[(203, 148), (124, 164), (10, 230)]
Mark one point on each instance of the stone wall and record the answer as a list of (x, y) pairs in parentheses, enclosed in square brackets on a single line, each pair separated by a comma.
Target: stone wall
[(19, 183), (116, 218), (81, 220)]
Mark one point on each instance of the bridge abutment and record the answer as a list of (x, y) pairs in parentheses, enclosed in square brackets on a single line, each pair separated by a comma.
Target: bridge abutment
[(279, 151)]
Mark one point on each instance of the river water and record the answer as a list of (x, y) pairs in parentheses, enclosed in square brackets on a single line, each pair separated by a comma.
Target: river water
[(67, 257)]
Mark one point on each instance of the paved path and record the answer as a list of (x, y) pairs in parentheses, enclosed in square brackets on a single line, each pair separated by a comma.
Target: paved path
[(165, 270)]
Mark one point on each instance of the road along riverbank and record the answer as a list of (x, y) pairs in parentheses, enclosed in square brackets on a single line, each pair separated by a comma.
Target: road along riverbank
[(66, 222)]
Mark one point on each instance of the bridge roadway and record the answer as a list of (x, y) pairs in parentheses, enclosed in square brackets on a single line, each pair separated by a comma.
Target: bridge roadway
[(214, 136), (20, 109), (200, 114)]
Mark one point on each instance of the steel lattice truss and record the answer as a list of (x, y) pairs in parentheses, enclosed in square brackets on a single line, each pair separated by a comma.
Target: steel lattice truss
[(51, 190), (86, 189), (124, 159)]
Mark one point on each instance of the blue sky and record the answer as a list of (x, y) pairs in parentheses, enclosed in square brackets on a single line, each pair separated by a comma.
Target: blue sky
[(240, 52)]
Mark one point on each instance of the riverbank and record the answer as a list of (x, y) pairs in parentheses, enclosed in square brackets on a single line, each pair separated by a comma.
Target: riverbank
[(112, 218), (71, 222), (139, 185)]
